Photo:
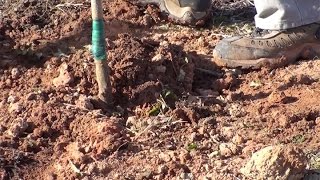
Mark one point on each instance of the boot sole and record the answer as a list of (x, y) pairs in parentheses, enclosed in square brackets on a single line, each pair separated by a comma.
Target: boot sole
[(198, 18), (306, 51)]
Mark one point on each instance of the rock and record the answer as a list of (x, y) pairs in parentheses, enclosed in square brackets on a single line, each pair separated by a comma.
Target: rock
[(276, 97), (131, 121), (8, 82), (31, 96), (193, 137), (18, 126), (12, 99), (228, 149), (318, 121), (158, 58), (84, 102), (228, 132), (64, 78), (276, 162), (186, 176), (237, 139), (165, 157), (15, 73), (15, 108), (213, 154)]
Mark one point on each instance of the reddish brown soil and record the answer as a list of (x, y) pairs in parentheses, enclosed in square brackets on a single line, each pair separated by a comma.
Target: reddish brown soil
[(173, 107)]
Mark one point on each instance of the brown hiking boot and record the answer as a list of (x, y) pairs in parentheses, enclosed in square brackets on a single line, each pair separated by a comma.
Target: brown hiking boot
[(269, 48), (187, 12)]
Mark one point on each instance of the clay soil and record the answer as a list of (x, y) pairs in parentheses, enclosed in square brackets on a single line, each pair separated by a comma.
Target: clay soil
[(176, 115)]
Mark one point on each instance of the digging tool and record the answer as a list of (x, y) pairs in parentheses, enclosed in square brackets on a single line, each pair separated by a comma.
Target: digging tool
[(99, 52)]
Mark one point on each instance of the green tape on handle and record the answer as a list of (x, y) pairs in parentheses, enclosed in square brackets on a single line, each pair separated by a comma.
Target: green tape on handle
[(98, 40)]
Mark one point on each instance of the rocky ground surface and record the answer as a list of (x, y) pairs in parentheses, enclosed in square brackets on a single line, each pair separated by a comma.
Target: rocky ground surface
[(176, 114)]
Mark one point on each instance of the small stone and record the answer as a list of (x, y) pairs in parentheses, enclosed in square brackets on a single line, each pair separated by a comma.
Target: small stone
[(213, 154), (276, 162), (237, 139), (8, 82), (131, 121), (15, 73), (15, 108), (228, 149), (17, 127), (186, 176), (276, 97), (318, 121), (12, 99), (164, 43), (31, 96), (228, 132), (64, 78), (165, 157), (193, 136), (158, 58), (84, 102), (202, 130)]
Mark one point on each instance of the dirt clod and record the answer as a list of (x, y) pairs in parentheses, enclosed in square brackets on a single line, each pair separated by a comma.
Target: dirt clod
[(276, 162), (64, 78)]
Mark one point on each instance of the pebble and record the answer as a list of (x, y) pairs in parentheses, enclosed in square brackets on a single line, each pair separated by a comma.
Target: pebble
[(237, 139), (15, 108), (15, 73), (165, 157), (84, 102), (228, 149), (64, 78), (17, 127), (12, 99), (158, 58)]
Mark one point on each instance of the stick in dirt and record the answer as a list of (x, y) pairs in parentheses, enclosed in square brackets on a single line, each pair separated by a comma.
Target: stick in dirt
[(99, 52)]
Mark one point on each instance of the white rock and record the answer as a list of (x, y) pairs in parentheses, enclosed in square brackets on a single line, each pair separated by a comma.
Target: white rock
[(15, 107), (15, 73), (158, 58), (17, 127), (12, 99), (276, 162)]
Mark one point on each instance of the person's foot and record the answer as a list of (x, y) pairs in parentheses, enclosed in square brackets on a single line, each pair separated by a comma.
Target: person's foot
[(269, 48), (187, 12)]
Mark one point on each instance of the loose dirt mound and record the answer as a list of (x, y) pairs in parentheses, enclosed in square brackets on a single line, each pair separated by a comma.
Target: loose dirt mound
[(175, 115)]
